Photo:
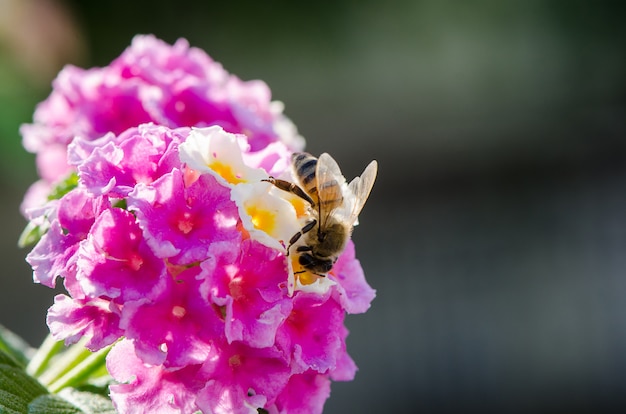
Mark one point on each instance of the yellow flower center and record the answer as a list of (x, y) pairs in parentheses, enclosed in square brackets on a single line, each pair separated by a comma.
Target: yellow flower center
[(299, 205), (262, 219), (226, 172)]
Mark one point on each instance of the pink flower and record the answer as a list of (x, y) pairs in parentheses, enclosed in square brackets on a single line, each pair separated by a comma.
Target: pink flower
[(114, 165), (147, 388), (305, 393), (186, 261), (55, 254), (171, 85), (308, 343), (96, 319), (252, 290), (241, 379), (182, 221), (116, 262), (175, 327), (352, 290)]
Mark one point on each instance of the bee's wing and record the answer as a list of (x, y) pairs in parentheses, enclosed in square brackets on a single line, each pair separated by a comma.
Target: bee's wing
[(330, 183), (358, 192)]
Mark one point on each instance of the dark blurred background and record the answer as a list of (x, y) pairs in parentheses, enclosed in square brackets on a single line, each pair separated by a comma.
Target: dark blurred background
[(496, 233)]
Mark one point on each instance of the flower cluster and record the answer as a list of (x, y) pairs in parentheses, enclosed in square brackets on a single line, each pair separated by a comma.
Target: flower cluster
[(172, 241), (172, 247), (173, 86)]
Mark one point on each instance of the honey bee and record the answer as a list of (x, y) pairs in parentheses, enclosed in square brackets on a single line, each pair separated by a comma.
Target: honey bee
[(334, 206)]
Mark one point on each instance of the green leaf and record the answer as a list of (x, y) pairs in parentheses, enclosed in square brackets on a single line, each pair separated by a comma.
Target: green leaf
[(17, 389), (88, 402), (98, 386), (31, 234), (6, 359), (15, 346), (71, 401), (64, 187), (52, 404)]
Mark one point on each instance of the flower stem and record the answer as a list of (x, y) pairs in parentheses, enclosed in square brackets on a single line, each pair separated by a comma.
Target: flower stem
[(39, 362), (81, 372), (66, 361)]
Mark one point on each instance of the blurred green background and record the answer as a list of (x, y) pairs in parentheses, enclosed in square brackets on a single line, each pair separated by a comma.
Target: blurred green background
[(496, 233)]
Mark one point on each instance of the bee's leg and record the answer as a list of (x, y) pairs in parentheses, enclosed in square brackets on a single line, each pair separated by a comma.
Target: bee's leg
[(307, 228), (290, 188)]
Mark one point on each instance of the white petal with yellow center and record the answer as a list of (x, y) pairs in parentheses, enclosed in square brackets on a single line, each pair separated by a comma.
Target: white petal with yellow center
[(269, 218), (215, 151)]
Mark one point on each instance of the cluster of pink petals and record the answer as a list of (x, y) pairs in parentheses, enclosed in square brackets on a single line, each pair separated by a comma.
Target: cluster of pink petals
[(152, 81), (170, 246), (155, 259)]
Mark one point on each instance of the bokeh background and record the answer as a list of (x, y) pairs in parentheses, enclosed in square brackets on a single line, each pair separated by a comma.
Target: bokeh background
[(496, 233)]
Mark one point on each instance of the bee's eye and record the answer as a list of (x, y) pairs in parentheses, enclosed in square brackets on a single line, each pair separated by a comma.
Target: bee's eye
[(305, 260)]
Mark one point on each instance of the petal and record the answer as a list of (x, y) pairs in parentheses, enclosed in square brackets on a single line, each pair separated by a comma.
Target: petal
[(242, 379), (150, 389), (315, 386), (73, 319), (311, 335), (175, 328), (253, 292), (181, 223), (352, 290), (116, 262)]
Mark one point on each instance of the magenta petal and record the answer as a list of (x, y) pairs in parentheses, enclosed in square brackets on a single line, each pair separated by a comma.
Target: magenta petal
[(175, 328), (313, 385), (150, 389), (36, 196), (352, 290), (138, 155), (345, 370), (72, 319), (116, 262), (181, 223), (78, 210), (53, 255), (252, 290), (311, 335), (241, 379)]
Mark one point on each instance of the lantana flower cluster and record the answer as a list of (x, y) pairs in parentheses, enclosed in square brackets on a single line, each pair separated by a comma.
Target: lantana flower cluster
[(172, 247)]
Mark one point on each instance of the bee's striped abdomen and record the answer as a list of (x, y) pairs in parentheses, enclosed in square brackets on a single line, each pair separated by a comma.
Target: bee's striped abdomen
[(304, 166)]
